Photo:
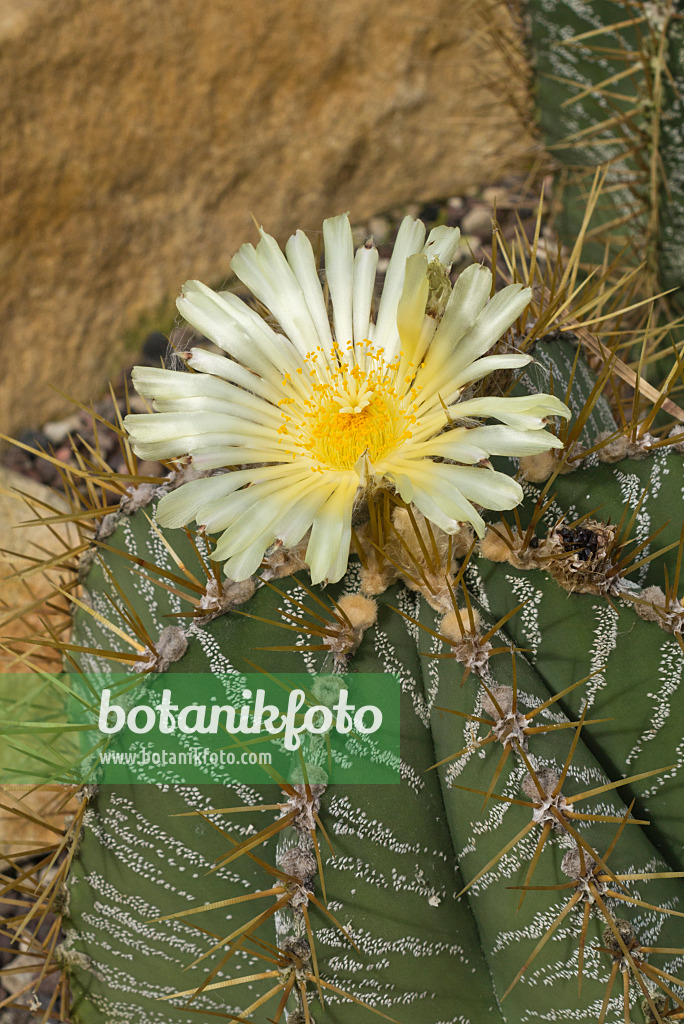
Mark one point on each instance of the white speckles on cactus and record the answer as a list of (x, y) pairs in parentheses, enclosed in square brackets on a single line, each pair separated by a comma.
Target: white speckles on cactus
[(399, 849)]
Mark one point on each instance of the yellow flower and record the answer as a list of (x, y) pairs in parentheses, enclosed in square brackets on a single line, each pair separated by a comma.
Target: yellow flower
[(318, 413)]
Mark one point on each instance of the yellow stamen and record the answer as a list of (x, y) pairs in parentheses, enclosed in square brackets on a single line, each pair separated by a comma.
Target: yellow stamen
[(354, 409)]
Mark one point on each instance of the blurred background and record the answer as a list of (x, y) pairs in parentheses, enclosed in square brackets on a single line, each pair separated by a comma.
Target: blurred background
[(142, 136)]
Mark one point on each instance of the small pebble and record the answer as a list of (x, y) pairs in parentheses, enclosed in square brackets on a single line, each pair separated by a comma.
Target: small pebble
[(57, 430), (495, 194), (379, 228), (146, 468), (430, 212), (34, 439), (137, 402), (477, 221)]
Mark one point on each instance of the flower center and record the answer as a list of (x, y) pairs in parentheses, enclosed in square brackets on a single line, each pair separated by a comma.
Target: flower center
[(339, 439), (354, 408)]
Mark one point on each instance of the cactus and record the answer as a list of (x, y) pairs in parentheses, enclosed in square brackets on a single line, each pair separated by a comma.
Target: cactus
[(591, 102), (533, 839), (607, 84)]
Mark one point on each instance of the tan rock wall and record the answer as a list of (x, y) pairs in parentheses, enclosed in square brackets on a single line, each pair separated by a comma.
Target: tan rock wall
[(21, 611), (139, 136)]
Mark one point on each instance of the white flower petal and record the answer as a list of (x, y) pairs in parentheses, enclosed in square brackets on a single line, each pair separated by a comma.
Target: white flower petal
[(300, 256), (264, 505), (365, 267), (468, 298), (483, 367), (327, 553), (171, 435), (439, 500), (502, 440), (409, 240), (300, 517), (339, 273), (269, 276), (489, 440), (455, 444), (216, 456), (175, 390), (180, 507), (457, 511), (244, 564), (220, 516), (497, 316), (442, 244), (527, 412), (200, 403), (168, 426), (152, 381), (228, 369), (209, 443), (411, 308), (484, 486), (402, 481), (212, 314)]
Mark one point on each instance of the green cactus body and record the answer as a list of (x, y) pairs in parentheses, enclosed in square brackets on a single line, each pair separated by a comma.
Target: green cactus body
[(403, 853), (563, 72), (392, 853), (612, 99), (671, 143)]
